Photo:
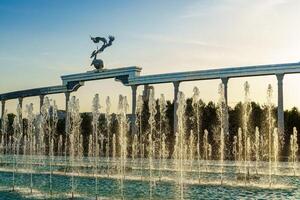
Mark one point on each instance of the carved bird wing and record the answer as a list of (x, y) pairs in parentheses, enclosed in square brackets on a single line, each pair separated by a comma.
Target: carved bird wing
[(94, 53), (111, 38), (98, 39)]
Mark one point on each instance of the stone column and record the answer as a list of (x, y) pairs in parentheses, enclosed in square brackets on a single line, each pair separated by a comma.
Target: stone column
[(21, 113), (20, 102), (146, 93), (67, 94), (3, 108), (3, 133), (226, 122), (21, 106), (280, 111), (41, 102), (225, 83), (2, 116), (133, 111), (176, 90)]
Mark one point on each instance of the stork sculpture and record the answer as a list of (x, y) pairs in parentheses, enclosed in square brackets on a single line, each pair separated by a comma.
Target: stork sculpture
[(98, 63)]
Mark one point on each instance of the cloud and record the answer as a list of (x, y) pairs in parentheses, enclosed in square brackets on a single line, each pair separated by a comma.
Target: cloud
[(177, 40), (202, 8)]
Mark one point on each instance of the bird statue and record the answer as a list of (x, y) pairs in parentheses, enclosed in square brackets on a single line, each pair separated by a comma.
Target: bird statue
[(98, 63), (98, 39)]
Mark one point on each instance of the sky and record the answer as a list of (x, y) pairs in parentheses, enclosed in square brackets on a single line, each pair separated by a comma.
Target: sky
[(40, 40)]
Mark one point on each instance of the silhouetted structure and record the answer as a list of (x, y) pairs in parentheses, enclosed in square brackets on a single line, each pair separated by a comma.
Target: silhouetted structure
[(98, 63)]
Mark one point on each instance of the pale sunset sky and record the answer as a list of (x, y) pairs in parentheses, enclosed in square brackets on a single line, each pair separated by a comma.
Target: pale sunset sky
[(40, 40)]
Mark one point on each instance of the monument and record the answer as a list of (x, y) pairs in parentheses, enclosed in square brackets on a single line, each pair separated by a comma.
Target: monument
[(98, 63), (115, 157)]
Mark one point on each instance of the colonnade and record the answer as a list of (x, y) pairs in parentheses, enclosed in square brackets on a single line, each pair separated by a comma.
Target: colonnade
[(224, 80), (176, 84)]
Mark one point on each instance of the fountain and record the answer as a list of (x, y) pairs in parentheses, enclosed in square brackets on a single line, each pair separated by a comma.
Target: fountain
[(108, 120), (275, 150), (223, 119), (139, 112), (118, 163), (294, 149), (162, 130), (205, 149), (270, 123), (47, 124), (74, 134), (191, 145), (18, 132), (122, 140), (245, 129), (257, 149), (151, 144), (195, 103), (94, 139), (164, 152), (114, 150), (30, 136), (180, 144), (235, 152), (134, 149), (60, 146), (4, 123), (240, 148)]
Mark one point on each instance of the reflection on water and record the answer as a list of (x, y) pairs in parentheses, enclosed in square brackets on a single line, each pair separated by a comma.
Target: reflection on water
[(285, 184)]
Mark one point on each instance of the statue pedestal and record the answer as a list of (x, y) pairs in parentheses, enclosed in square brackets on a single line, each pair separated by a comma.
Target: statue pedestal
[(97, 70), (124, 74)]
